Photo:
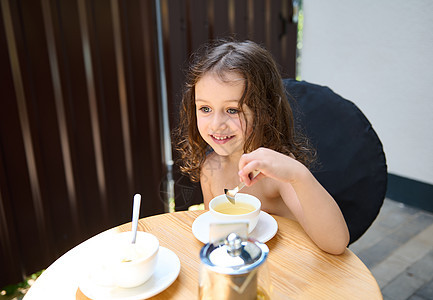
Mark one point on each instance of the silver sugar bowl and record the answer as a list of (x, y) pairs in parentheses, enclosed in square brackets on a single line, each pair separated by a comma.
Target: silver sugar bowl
[(234, 269)]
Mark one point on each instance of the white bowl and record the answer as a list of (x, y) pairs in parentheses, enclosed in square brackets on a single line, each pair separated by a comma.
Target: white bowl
[(252, 217), (123, 264)]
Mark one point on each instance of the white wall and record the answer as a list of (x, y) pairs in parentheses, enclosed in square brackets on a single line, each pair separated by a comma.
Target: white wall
[(378, 54)]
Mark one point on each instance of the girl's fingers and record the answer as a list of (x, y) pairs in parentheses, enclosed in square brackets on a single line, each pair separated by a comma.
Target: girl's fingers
[(257, 178), (247, 176)]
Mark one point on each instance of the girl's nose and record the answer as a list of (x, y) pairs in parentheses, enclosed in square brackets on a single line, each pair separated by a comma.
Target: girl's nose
[(219, 122)]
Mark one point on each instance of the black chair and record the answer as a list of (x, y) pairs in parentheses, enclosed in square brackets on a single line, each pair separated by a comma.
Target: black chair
[(351, 162)]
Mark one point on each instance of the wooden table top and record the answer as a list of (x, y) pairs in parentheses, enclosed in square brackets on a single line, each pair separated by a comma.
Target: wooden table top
[(298, 268)]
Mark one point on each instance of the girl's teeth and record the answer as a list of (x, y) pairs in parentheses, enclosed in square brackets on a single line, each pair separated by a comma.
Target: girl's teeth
[(221, 138)]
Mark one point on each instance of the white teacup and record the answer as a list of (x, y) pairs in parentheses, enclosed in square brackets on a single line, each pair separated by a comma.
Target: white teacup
[(247, 208), (123, 264)]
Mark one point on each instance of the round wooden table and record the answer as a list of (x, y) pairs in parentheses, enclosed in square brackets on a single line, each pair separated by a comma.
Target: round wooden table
[(297, 267)]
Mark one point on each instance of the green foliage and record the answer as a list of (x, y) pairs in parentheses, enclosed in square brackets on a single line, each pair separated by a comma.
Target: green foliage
[(17, 291), (299, 42)]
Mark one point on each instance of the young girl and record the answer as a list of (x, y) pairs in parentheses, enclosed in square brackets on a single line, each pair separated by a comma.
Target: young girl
[(234, 119)]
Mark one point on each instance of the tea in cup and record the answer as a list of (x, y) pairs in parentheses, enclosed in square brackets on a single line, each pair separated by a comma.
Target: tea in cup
[(246, 208), (124, 264)]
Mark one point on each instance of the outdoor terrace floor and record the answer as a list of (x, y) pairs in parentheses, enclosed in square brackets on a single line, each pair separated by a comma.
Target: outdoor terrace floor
[(398, 250)]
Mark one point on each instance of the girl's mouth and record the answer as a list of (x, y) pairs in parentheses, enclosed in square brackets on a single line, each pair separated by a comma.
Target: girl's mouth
[(222, 139)]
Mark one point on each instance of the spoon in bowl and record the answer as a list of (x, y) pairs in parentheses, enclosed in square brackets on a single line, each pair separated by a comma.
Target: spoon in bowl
[(230, 194), (135, 215)]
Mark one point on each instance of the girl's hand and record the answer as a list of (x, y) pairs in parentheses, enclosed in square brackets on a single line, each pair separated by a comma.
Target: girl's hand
[(311, 205), (270, 163)]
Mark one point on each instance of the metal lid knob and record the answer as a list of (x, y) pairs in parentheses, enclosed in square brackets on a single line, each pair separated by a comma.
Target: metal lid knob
[(234, 244)]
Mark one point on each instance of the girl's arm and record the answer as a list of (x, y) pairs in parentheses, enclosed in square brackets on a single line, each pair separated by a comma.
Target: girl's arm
[(314, 208)]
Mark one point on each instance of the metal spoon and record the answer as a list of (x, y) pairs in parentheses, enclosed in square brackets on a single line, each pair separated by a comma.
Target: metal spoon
[(230, 194), (135, 215)]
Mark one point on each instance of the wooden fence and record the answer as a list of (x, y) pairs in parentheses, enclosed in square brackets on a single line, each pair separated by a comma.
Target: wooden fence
[(80, 110)]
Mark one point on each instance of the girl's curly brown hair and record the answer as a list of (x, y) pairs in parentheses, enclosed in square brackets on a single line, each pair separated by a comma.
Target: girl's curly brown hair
[(273, 124)]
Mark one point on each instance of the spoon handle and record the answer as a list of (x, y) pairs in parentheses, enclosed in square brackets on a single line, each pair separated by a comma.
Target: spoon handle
[(252, 175), (135, 216)]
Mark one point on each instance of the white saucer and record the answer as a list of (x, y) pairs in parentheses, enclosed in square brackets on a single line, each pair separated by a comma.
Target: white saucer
[(265, 229), (166, 272)]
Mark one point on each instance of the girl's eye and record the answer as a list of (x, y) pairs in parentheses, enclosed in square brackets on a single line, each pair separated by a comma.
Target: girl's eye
[(205, 109), (233, 111)]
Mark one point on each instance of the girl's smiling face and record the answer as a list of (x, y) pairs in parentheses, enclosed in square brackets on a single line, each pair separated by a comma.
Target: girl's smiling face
[(219, 119)]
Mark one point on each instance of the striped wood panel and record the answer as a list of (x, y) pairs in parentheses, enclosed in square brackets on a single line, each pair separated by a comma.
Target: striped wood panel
[(79, 124), (79, 110)]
